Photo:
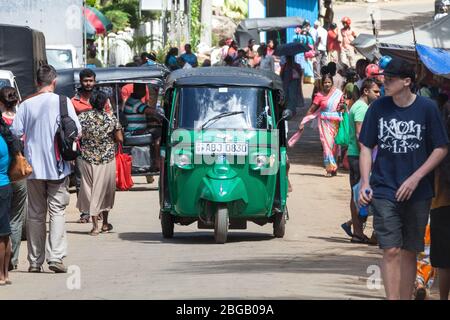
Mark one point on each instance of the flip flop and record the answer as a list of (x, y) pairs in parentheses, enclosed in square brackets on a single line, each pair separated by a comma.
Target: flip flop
[(110, 227), (347, 229)]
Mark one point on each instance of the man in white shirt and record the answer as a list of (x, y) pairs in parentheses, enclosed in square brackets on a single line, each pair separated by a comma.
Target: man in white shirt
[(36, 121), (321, 46)]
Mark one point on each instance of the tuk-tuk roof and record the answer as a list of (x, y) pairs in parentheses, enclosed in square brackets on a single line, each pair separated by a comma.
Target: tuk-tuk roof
[(68, 78), (269, 24), (120, 74), (250, 28), (224, 76)]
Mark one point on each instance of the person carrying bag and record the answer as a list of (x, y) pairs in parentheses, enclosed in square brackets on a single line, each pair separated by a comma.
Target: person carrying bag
[(124, 182)]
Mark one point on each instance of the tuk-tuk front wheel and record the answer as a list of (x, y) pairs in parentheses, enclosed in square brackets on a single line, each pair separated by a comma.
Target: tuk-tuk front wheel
[(167, 224), (221, 223), (279, 224)]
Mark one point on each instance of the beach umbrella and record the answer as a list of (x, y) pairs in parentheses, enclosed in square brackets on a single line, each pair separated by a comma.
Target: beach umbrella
[(90, 30), (97, 20)]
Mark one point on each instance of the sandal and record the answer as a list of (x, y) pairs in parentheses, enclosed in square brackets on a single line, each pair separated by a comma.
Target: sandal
[(94, 232), (357, 239), (83, 219), (108, 228)]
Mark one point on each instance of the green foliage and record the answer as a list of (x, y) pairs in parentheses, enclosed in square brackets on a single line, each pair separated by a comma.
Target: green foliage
[(91, 3), (161, 54), (236, 9), (139, 43), (119, 19), (196, 27), (130, 10)]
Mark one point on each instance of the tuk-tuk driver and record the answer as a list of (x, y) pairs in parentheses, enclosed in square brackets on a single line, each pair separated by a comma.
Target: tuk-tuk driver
[(136, 113)]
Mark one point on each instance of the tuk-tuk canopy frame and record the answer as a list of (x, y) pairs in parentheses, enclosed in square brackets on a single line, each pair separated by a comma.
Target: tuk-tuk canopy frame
[(68, 79), (224, 76)]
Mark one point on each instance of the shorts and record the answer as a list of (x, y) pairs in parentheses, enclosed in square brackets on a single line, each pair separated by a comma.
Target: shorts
[(440, 237), (355, 174), (5, 210), (400, 224)]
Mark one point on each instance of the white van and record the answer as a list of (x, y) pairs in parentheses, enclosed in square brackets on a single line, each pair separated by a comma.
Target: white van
[(7, 79), (62, 56)]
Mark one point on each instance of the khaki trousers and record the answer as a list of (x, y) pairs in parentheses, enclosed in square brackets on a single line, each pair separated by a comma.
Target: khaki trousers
[(44, 196)]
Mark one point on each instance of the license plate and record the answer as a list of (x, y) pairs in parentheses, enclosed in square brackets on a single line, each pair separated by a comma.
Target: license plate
[(227, 148)]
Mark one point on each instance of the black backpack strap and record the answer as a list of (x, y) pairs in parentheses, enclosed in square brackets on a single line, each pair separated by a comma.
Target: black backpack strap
[(63, 106)]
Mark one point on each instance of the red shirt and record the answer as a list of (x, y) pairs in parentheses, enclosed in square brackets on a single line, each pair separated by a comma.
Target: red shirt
[(127, 91), (7, 120), (81, 105), (332, 41)]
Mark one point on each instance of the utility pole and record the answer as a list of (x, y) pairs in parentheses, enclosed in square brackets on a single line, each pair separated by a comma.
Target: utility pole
[(206, 21), (84, 33), (172, 20)]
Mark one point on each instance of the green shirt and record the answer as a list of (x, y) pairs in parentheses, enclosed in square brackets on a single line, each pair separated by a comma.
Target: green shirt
[(356, 114)]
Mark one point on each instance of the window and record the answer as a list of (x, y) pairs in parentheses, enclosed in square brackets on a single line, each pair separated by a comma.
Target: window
[(196, 105)]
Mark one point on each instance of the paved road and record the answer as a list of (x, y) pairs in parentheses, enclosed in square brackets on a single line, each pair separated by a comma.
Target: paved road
[(393, 16), (314, 261)]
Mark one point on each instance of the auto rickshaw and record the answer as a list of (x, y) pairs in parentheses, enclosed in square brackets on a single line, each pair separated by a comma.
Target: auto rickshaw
[(112, 80), (223, 151)]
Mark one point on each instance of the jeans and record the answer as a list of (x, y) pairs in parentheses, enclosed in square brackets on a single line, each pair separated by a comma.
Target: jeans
[(18, 214)]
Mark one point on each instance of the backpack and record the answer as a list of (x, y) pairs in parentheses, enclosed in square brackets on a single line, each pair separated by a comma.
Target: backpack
[(66, 136)]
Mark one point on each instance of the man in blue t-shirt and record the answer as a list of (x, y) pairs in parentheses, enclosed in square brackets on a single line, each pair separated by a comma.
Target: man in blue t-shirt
[(412, 141), (189, 57)]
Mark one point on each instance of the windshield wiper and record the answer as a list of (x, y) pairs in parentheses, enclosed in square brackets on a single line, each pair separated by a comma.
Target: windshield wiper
[(220, 116)]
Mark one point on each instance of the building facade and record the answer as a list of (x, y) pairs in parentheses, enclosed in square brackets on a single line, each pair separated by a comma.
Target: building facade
[(306, 9)]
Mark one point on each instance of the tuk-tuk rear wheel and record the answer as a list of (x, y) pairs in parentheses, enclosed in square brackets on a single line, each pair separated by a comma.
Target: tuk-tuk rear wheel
[(167, 225), (279, 224), (221, 222)]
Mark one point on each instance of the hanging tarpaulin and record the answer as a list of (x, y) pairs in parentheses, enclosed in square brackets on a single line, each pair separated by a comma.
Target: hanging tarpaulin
[(436, 60), (97, 20)]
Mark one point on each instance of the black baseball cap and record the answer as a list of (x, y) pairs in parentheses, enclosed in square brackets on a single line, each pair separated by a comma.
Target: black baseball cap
[(399, 68)]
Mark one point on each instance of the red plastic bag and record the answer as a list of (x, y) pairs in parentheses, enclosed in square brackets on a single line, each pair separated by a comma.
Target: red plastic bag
[(124, 181)]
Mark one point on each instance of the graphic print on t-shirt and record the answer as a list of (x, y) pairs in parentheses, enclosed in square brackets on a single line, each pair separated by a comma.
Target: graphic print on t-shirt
[(400, 136)]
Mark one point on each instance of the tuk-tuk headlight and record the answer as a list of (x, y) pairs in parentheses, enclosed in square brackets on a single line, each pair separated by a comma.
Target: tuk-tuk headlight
[(183, 161), (260, 161)]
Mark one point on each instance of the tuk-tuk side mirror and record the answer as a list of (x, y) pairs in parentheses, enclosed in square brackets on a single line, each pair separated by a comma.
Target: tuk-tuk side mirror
[(286, 115)]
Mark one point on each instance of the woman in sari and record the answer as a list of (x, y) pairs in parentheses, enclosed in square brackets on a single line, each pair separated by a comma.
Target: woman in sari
[(326, 108)]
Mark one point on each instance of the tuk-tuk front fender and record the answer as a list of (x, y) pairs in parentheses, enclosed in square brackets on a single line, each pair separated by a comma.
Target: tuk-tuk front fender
[(223, 190)]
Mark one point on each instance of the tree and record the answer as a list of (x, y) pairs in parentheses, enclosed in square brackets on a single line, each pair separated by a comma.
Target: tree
[(125, 13), (196, 26)]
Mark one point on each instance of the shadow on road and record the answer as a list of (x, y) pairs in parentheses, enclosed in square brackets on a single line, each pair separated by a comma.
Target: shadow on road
[(190, 238), (342, 264)]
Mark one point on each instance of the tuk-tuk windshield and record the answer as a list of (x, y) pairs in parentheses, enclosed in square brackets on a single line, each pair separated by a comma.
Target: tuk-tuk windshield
[(197, 105)]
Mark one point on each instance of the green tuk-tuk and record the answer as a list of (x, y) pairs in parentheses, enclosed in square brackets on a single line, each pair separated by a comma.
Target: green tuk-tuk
[(223, 150)]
